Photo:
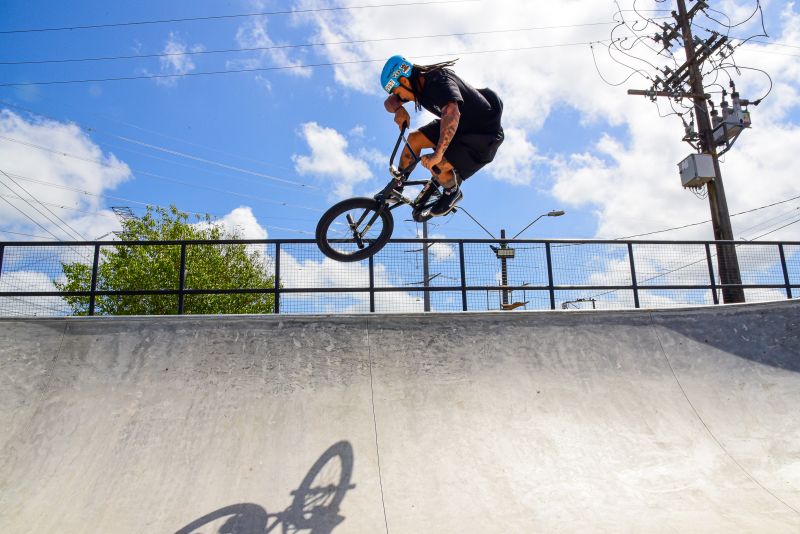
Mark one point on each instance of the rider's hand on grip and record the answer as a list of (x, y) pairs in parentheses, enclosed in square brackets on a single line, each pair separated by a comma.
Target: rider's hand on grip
[(402, 118)]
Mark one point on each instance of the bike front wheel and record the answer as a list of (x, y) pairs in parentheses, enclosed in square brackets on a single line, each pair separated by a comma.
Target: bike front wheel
[(354, 229)]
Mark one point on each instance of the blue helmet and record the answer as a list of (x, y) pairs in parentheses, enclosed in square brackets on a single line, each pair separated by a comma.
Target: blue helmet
[(397, 67)]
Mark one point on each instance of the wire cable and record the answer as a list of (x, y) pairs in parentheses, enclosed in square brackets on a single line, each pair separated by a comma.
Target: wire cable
[(753, 210), (147, 204), (288, 67), (776, 230), (51, 212), (227, 17), (164, 178), (269, 177), (34, 221), (304, 45)]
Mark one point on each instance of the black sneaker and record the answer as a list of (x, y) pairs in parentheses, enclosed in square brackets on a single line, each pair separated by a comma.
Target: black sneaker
[(446, 202)]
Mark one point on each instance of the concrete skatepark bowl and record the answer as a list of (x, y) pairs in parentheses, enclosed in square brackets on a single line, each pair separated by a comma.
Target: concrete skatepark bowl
[(630, 421)]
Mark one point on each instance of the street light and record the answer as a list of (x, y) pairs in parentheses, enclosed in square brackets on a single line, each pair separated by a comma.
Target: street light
[(554, 213), (505, 253)]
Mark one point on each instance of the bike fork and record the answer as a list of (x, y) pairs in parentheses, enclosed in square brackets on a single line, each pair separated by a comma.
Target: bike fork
[(358, 236)]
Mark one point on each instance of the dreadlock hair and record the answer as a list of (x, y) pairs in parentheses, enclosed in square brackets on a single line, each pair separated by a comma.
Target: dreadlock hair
[(421, 70)]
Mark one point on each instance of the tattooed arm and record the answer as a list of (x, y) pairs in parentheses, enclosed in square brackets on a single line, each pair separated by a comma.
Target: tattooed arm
[(451, 115)]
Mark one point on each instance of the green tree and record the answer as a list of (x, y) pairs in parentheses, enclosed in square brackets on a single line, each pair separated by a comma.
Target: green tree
[(151, 267)]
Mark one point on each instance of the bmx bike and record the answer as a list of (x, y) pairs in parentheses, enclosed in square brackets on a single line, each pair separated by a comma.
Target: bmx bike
[(356, 228)]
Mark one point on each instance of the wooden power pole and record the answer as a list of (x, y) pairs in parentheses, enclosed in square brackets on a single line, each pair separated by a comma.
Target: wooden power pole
[(674, 86)]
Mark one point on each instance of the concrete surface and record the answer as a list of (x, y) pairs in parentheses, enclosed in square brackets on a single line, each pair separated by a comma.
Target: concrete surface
[(664, 421)]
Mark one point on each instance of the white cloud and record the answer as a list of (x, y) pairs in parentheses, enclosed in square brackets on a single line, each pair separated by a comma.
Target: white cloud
[(178, 62), (439, 251), (517, 160), (253, 34), (627, 177), (330, 159), (297, 273), (241, 222), (45, 172), (357, 131)]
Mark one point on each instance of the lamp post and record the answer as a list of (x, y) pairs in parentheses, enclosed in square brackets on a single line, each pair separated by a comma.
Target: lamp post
[(504, 252), (554, 213)]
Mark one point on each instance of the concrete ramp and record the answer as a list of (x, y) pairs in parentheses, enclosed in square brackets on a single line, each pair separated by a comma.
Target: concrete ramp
[(636, 421)]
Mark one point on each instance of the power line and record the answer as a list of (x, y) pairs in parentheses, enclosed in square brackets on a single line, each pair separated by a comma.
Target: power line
[(173, 152), (25, 235), (63, 207), (214, 163), (290, 67), (148, 204), (304, 45), (776, 230), (771, 222), (37, 210), (164, 178), (112, 216), (709, 220), (224, 17), (34, 221)]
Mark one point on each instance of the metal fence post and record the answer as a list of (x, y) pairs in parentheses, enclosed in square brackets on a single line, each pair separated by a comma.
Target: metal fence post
[(93, 287), (783, 265), (550, 285), (633, 277), (2, 252), (463, 276), (371, 284), (182, 279), (426, 269), (711, 274), (277, 278)]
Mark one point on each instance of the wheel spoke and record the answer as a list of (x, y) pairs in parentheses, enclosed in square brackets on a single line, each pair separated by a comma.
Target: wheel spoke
[(350, 229)]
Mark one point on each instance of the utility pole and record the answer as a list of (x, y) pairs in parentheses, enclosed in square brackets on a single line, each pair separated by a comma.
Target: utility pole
[(674, 85), (720, 216), (504, 268)]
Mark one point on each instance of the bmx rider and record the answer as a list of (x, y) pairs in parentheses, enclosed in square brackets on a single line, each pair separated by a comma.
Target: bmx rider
[(467, 133)]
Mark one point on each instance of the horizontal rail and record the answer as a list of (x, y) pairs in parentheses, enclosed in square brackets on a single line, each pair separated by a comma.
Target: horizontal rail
[(398, 241), (412, 289)]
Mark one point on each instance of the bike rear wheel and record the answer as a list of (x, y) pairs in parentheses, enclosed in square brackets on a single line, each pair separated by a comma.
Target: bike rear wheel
[(354, 229)]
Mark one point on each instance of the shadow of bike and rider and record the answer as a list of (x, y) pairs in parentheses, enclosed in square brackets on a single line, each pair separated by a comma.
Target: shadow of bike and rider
[(314, 508)]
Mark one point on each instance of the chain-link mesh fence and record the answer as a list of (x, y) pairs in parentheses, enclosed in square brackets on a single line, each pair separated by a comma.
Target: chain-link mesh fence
[(406, 276)]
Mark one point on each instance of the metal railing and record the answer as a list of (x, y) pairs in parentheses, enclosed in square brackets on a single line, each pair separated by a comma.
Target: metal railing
[(461, 275)]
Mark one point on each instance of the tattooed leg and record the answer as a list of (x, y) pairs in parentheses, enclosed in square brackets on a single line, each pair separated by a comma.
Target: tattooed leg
[(418, 142)]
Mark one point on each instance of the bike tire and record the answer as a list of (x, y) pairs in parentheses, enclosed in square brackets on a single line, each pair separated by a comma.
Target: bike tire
[(329, 478), (372, 245)]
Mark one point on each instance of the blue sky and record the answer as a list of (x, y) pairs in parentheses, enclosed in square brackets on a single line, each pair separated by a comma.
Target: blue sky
[(574, 142)]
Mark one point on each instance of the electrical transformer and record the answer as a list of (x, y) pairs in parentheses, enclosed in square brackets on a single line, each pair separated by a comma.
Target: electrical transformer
[(733, 120), (696, 170)]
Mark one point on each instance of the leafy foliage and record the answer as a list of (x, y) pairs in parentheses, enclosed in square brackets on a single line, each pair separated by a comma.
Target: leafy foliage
[(157, 267)]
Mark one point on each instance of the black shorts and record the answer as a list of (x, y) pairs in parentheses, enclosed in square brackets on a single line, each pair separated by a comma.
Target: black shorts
[(467, 153)]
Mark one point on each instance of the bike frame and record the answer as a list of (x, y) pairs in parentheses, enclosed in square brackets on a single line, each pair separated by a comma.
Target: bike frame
[(402, 175), (390, 191)]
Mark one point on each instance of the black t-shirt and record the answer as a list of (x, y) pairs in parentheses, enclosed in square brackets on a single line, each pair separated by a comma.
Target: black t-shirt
[(480, 109)]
